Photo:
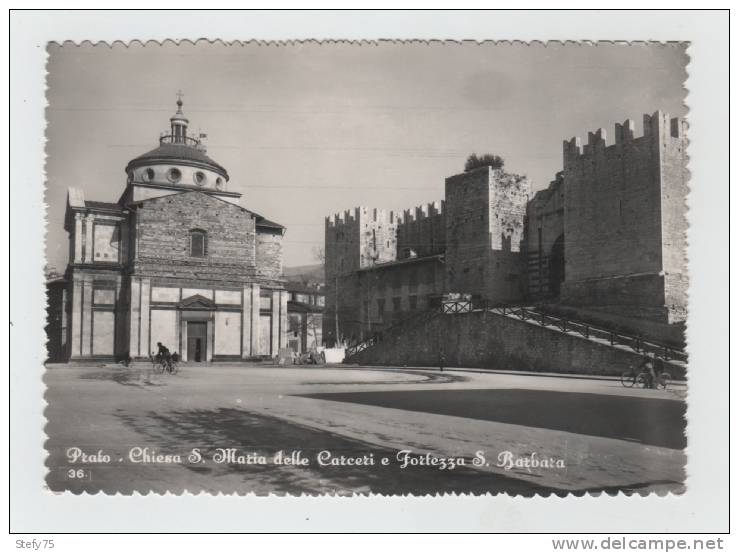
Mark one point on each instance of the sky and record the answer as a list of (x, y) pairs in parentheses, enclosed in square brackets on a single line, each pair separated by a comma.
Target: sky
[(308, 130)]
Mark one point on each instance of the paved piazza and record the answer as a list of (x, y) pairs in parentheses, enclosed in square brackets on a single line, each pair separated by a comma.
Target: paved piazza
[(388, 429)]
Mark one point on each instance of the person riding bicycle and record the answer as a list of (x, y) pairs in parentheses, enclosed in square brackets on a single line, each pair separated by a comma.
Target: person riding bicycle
[(163, 356), (647, 366)]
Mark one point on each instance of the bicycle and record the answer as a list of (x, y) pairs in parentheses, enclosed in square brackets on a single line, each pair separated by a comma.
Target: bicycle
[(161, 364), (663, 379), (628, 378)]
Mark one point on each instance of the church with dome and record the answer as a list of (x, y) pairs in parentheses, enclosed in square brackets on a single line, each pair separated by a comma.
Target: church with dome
[(177, 260)]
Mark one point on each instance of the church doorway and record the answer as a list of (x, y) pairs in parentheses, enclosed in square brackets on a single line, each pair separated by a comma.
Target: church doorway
[(196, 341), (557, 266)]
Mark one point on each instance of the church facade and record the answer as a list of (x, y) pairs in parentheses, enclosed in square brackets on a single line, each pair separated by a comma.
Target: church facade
[(176, 260)]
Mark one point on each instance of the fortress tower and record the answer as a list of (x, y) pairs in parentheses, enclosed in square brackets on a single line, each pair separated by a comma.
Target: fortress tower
[(485, 211), (624, 220), (354, 240)]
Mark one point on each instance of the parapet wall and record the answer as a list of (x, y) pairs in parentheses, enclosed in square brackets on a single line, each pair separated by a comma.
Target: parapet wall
[(658, 125), (490, 341), (360, 238), (422, 231)]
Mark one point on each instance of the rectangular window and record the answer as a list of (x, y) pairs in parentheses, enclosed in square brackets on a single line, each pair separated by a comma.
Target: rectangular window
[(396, 304), (381, 307), (197, 244), (413, 302)]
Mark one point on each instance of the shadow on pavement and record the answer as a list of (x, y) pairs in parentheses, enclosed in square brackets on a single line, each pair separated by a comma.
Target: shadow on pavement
[(658, 422), (182, 430)]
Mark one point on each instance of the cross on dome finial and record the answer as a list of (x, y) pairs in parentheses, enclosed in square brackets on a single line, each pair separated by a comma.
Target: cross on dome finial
[(180, 94)]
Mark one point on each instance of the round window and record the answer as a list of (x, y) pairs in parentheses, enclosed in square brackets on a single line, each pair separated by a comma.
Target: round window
[(174, 175), (219, 183), (200, 178), (148, 174)]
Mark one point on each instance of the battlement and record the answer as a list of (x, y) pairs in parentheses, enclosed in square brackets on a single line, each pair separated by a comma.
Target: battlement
[(345, 218), (358, 215), (377, 215), (421, 212), (657, 125)]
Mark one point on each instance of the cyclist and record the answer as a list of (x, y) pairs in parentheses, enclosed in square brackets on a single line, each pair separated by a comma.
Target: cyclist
[(647, 366), (163, 356)]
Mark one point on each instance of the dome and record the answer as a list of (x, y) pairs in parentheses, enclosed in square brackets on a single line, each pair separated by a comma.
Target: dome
[(178, 148), (177, 154)]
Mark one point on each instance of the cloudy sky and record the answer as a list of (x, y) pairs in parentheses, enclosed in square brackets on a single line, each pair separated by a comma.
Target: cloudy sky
[(308, 130)]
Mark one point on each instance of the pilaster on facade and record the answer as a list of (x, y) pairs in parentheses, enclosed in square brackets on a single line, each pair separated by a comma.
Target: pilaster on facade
[(135, 317), (86, 315), (78, 237), (144, 345), (255, 319), (89, 221), (284, 331), (275, 334), (75, 342), (247, 319)]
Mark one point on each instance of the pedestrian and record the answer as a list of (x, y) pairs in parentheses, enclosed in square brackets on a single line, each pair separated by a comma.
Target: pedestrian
[(442, 359)]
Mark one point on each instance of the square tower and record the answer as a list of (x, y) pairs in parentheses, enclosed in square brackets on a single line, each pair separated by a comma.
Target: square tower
[(354, 240), (624, 223), (485, 211)]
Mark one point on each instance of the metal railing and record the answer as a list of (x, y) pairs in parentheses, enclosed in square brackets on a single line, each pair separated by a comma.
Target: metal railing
[(384, 334), (562, 324), (592, 332), (184, 140)]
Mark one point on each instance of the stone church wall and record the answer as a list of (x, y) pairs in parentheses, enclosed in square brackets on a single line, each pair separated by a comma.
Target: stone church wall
[(269, 254), (164, 225)]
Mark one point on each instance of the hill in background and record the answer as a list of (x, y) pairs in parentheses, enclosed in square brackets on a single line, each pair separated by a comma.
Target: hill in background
[(305, 274)]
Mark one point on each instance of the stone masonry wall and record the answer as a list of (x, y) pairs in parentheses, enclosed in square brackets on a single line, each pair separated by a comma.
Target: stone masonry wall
[(675, 178), (485, 211), (422, 231), (396, 291), (624, 219), (544, 226), (161, 232), (612, 206), (354, 240), (496, 342), (164, 225), (269, 253)]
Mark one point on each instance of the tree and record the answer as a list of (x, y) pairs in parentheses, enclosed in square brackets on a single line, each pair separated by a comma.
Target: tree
[(475, 161)]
